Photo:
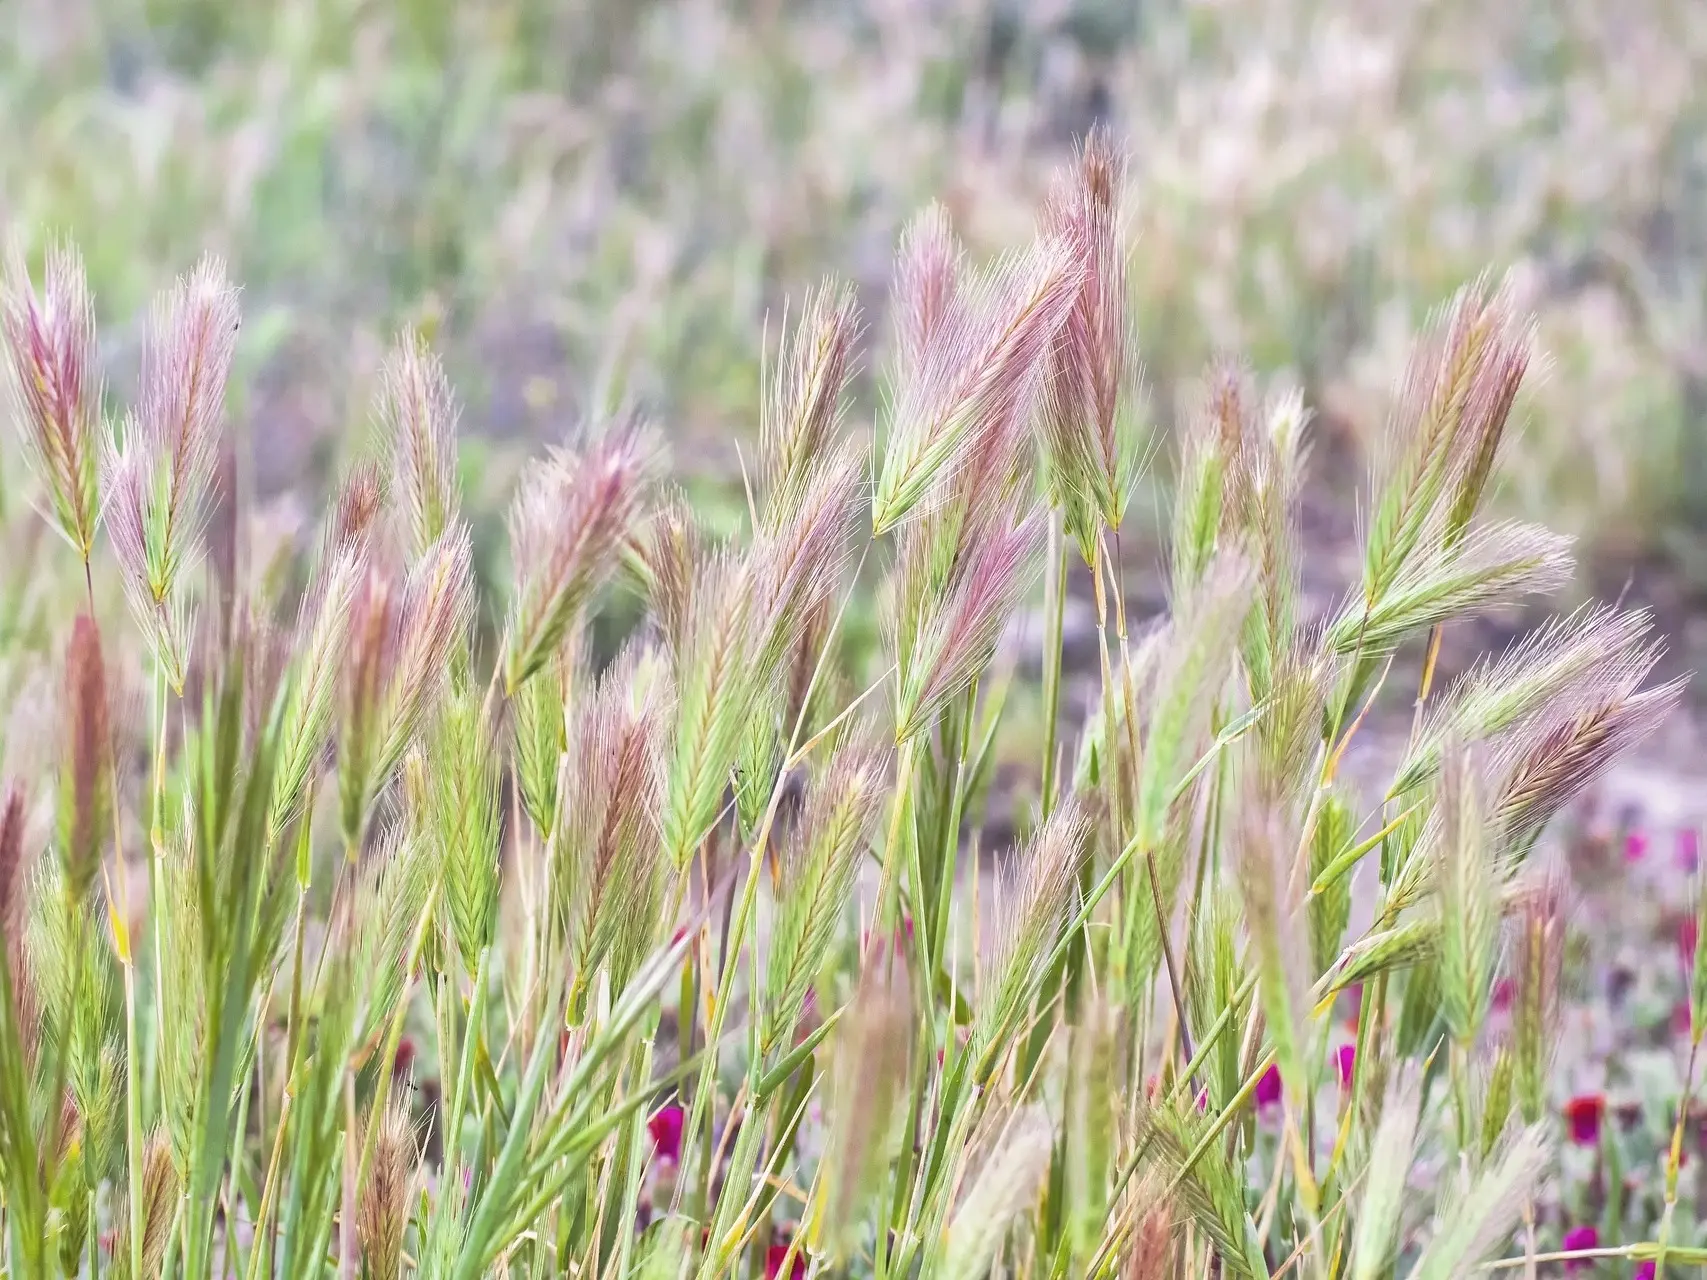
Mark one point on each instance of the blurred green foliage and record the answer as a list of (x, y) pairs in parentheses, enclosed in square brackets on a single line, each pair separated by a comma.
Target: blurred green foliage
[(614, 198)]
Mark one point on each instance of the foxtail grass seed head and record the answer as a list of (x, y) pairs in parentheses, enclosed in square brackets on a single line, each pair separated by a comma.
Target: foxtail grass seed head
[(959, 636), (607, 846), (417, 413), (873, 1046), (1539, 954), (716, 674), (569, 522), (383, 1210), (818, 882), (665, 1024), (1424, 434), (55, 386), (85, 793), (1376, 1239), (1033, 915), (1469, 904), (983, 364), (1008, 1182), (803, 401), (1089, 421)]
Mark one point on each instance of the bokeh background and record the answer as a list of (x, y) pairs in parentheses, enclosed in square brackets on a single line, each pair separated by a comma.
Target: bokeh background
[(586, 202)]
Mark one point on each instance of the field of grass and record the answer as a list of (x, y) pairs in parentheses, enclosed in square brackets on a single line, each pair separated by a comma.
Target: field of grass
[(939, 772)]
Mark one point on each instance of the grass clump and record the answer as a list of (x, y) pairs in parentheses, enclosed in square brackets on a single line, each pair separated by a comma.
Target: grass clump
[(382, 947)]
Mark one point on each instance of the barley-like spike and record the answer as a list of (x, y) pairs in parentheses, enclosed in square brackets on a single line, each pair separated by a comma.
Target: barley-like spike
[(716, 679), (85, 797), (1008, 1182), (802, 560), (1279, 931), (803, 403), (1540, 955), (1469, 909), (1496, 564), (1596, 648), (463, 818), (1478, 445), (569, 522), (927, 285), (1417, 447), (1212, 1191), (1088, 428), (959, 636), (873, 1047), (1198, 654), (1330, 910), (1562, 753), (56, 386), (607, 846), (835, 829), (383, 1210), (1151, 1254), (1484, 1211), (983, 365), (395, 884), (418, 413), (1032, 919), (312, 682), (13, 865), (539, 738), (1375, 1242), (1214, 977)]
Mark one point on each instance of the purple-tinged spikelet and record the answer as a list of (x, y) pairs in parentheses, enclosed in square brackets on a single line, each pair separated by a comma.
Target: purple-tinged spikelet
[(50, 346)]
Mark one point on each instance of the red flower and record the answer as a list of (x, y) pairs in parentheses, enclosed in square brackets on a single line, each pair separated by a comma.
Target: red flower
[(1644, 1271), (1346, 1061), (404, 1058), (1584, 1237), (1688, 932), (1268, 1089), (1503, 992), (665, 1127), (774, 1258), (1583, 1113)]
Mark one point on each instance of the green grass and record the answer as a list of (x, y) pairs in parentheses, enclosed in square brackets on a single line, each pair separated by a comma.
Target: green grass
[(395, 929)]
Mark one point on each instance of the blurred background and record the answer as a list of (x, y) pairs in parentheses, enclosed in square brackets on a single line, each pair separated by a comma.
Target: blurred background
[(587, 201)]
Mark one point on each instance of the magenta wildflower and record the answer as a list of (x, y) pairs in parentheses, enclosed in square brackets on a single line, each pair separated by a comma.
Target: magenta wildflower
[(774, 1257), (1583, 1113), (1268, 1089), (1644, 1271), (1583, 1237), (665, 1127), (1689, 850), (1688, 932), (1346, 1061), (1502, 995), (1635, 846)]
